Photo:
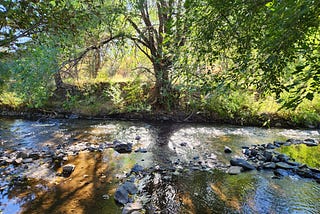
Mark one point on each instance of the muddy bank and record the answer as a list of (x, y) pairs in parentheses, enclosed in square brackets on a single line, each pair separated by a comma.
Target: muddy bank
[(273, 120)]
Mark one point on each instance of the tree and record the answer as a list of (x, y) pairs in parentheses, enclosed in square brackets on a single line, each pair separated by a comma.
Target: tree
[(263, 42), (155, 27), (158, 33)]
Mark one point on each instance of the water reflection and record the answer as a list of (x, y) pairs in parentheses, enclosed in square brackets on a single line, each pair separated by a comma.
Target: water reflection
[(97, 174)]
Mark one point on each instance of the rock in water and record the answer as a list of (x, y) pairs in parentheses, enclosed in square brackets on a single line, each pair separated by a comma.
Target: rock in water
[(121, 196), (67, 170), (123, 147), (227, 149), (283, 165), (130, 187), (122, 193), (310, 142), (137, 168), (241, 162), (234, 170)]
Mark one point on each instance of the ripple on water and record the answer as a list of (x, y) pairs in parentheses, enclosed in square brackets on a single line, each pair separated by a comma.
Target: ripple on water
[(287, 195)]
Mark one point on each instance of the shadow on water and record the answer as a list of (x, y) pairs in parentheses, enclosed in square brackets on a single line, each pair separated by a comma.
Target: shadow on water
[(91, 186), (89, 189)]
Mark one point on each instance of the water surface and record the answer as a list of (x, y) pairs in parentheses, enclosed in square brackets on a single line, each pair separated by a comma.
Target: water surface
[(91, 186)]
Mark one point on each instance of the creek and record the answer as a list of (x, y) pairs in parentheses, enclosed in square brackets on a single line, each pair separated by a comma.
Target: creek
[(200, 186)]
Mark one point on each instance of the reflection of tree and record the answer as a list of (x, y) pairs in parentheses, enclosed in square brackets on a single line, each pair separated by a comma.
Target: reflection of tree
[(162, 133), (163, 190), (204, 192)]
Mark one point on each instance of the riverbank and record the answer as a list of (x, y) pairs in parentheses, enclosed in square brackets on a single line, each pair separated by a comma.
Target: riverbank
[(263, 120)]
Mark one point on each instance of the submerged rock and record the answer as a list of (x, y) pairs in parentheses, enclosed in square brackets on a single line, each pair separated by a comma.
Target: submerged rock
[(122, 193), (137, 168), (234, 170), (141, 150), (282, 172), (67, 170)]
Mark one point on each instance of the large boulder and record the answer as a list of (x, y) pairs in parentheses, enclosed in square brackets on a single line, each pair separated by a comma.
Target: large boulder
[(241, 162)]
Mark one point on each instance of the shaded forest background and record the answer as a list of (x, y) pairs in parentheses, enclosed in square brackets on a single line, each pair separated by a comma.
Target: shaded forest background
[(238, 60)]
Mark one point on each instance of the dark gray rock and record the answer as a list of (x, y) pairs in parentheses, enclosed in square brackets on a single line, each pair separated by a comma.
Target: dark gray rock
[(269, 165), (243, 163), (130, 187), (284, 165), (121, 195), (17, 161), (305, 173), (270, 146), (293, 163), (310, 142), (183, 144), (138, 137), (27, 160), (268, 156), (22, 155), (123, 147), (141, 150), (283, 157), (294, 141), (282, 172), (227, 149), (67, 170), (316, 176), (246, 152), (34, 155), (279, 143), (253, 152), (137, 168)]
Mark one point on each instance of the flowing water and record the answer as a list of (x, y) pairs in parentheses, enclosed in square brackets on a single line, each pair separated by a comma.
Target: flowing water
[(91, 186)]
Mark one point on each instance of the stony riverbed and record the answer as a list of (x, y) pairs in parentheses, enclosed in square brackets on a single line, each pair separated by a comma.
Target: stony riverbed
[(126, 167)]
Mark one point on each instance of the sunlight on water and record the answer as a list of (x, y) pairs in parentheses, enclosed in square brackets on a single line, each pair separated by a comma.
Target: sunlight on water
[(97, 174)]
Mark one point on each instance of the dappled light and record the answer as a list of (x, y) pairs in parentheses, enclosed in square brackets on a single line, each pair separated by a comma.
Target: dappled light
[(159, 106)]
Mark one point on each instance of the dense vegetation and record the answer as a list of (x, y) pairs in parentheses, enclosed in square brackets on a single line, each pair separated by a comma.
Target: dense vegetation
[(242, 60)]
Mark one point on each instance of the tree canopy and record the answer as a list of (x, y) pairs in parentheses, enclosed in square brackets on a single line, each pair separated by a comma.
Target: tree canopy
[(267, 46)]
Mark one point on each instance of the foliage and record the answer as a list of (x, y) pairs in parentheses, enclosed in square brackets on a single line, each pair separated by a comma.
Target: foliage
[(32, 75), (303, 154), (135, 96), (258, 41), (21, 21), (10, 99), (115, 94)]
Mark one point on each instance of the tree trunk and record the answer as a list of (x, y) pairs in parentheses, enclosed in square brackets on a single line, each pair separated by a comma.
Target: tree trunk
[(58, 80), (161, 97)]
